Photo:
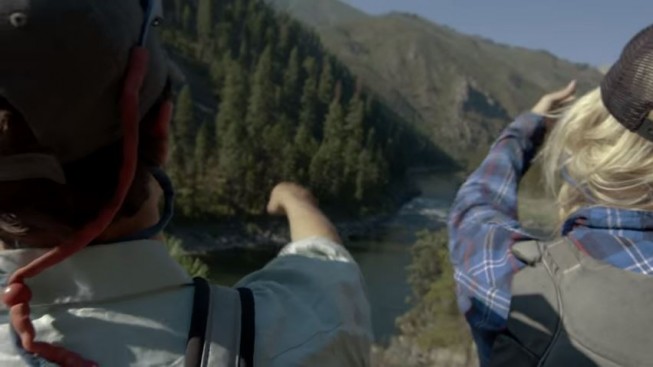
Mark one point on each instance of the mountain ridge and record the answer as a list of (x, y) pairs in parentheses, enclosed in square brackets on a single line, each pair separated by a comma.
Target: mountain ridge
[(460, 89), (319, 13)]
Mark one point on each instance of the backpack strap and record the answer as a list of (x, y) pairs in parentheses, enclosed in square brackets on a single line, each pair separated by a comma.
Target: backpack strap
[(560, 255), (247, 327), (197, 332), (195, 345)]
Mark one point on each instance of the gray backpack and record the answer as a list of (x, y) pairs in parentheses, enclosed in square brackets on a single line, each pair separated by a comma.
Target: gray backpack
[(569, 309)]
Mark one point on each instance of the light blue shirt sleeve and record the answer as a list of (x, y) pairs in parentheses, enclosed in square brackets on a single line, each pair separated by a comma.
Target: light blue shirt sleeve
[(311, 308)]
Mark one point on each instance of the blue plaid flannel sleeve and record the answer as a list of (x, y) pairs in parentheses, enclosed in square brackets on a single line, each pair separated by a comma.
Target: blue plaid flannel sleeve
[(483, 226)]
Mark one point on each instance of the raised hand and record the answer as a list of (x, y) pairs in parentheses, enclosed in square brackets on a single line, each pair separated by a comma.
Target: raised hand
[(551, 102)]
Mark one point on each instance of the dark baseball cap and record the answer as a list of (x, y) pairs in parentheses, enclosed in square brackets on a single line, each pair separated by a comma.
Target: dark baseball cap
[(627, 89), (62, 67)]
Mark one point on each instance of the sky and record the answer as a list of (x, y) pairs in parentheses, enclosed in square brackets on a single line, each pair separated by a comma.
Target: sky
[(587, 31)]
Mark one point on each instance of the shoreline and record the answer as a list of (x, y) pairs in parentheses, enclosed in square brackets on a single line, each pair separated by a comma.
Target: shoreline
[(202, 239), (272, 233)]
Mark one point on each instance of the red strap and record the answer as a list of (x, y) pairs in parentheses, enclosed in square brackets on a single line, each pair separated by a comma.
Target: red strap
[(17, 294), (160, 132)]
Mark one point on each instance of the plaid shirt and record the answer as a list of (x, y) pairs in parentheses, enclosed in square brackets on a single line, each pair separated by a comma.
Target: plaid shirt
[(483, 226)]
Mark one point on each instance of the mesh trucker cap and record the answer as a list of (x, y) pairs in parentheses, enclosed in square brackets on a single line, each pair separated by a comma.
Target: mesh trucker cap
[(627, 89), (62, 67)]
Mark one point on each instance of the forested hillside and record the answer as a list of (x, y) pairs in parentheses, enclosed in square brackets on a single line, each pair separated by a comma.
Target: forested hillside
[(265, 102), (461, 89)]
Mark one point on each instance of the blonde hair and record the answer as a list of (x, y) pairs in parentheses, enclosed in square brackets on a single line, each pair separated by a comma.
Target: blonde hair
[(590, 159)]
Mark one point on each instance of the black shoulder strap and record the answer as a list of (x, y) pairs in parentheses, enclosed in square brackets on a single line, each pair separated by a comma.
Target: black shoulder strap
[(198, 321), (247, 327)]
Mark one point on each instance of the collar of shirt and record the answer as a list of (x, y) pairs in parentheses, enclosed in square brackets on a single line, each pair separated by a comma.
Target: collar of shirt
[(613, 220), (99, 273), (620, 237)]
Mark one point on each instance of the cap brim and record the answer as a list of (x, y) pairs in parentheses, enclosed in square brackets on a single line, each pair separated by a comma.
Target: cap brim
[(31, 166)]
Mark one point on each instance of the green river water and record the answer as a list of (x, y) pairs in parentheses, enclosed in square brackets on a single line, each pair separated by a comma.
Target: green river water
[(383, 260)]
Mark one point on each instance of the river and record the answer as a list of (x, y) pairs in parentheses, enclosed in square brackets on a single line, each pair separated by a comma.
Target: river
[(383, 260)]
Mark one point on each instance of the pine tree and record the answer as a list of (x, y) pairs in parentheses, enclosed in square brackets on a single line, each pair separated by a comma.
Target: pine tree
[(271, 35), (184, 126), (186, 18), (364, 175), (291, 90), (305, 149), (372, 176), (334, 125), (183, 122), (244, 56), (327, 83), (218, 70), (203, 190), (382, 170), (178, 11), (354, 140), (233, 161), (355, 121), (290, 170), (326, 168), (231, 134), (309, 114), (274, 139), (287, 35), (203, 148), (233, 107), (261, 110), (256, 25), (240, 8), (204, 18), (223, 38)]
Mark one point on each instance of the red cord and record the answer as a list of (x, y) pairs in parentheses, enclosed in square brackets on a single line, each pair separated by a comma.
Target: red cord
[(160, 131), (17, 294)]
